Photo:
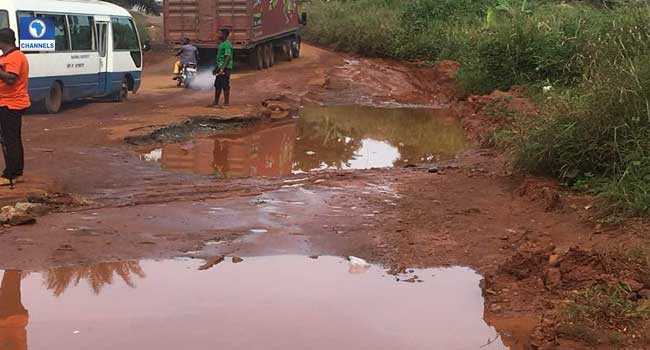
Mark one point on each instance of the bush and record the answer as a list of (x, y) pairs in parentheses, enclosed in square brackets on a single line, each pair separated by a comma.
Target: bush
[(420, 14), (598, 137), (364, 26), (522, 52)]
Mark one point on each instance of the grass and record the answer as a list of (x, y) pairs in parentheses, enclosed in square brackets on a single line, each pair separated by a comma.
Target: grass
[(593, 131), (605, 314), (610, 305), (610, 312)]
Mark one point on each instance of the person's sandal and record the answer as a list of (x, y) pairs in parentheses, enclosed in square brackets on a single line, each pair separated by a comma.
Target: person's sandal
[(4, 182), (10, 182)]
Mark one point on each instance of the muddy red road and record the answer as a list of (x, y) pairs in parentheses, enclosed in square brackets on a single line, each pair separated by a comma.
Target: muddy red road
[(468, 211), (81, 153)]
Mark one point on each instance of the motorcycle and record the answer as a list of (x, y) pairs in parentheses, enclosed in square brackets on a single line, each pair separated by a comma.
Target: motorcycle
[(188, 73)]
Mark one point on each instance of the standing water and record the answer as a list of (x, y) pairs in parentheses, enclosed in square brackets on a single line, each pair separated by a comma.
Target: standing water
[(282, 302), (328, 137)]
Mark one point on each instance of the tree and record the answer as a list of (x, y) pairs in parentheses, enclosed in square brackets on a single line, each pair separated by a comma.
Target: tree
[(148, 6)]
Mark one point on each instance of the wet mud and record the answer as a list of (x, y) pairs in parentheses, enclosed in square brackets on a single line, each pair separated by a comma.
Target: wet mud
[(199, 125)]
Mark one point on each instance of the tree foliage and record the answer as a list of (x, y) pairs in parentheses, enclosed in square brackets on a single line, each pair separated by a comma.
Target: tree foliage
[(148, 6)]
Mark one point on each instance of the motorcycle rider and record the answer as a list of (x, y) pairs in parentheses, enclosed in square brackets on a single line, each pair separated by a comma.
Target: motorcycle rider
[(188, 54)]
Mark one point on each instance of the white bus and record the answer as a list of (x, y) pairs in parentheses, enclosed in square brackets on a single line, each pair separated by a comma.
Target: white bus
[(76, 49)]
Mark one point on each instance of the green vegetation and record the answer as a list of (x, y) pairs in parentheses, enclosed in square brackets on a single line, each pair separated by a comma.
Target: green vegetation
[(585, 62), (611, 305), (148, 6), (616, 306), (142, 25), (605, 314)]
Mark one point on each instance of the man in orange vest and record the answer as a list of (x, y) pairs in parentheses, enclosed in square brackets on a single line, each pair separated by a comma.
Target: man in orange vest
[(14, 100)]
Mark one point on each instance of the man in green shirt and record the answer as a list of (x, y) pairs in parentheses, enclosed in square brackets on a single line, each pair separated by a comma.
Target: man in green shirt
[(223, 69)]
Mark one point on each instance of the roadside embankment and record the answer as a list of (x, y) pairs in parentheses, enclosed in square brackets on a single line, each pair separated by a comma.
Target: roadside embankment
[(584, 65)]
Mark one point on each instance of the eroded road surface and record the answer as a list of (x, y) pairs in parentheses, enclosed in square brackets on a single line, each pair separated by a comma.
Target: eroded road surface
[(176, 225)]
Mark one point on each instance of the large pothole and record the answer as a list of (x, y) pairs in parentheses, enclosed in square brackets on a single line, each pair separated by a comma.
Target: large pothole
[(280, 302), (322, 138)]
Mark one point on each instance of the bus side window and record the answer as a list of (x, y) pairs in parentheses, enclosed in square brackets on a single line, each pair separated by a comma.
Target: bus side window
[(81, 33), (4, 19), (101, 28), (61, 35), (62, 42), (23, 14)]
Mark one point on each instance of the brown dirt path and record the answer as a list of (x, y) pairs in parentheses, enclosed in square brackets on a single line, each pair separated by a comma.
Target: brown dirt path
[(80, 150)]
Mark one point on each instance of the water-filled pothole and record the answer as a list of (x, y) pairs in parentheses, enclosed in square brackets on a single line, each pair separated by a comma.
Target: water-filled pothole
[(281, 302), (328, 137)]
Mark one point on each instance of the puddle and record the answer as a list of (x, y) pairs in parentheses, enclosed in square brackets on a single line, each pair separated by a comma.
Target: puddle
[(329, 137), (281, 302)]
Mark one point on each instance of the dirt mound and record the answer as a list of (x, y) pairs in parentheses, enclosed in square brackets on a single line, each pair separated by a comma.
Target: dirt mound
[(379, 81), (544, 191), (279, 107), (485, 114), (443, 79), (513, 100), (528, 261), (577, 268)]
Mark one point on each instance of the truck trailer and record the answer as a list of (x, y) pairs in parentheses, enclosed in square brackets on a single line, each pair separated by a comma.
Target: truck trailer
[(261, 30)]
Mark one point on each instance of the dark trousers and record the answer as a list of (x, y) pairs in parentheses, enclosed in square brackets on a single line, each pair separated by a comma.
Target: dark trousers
[(11, 121)]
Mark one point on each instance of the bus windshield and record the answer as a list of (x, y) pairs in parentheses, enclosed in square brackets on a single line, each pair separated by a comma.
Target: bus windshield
[(124, 34)]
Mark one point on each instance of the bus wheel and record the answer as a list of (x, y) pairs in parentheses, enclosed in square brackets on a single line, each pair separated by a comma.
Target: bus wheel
[(123, 94), (259, 53), (54, 99)]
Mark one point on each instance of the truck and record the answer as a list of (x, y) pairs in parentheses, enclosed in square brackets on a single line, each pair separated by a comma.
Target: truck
[(262, 31)]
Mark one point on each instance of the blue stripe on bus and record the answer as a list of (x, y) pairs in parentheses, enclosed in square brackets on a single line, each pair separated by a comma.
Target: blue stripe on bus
[(81, 86)]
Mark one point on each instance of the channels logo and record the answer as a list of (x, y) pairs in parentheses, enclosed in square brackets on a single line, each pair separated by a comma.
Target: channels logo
[(37, 34), (37, 29)]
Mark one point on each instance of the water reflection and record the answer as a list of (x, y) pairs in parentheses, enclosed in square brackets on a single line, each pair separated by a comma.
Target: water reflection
[(14, 318), (13, 315), (360, 137), (257, 151), (331, 137), (283, 302), (97, 276)]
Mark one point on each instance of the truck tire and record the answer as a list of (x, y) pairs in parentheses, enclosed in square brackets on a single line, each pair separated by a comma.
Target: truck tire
[(295, 48), (252, 59), (267, 56), (272, 52), (54, 99), (286, 50), (259, 57)]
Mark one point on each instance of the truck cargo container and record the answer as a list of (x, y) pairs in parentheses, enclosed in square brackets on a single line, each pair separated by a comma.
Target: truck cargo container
[(261, 30)]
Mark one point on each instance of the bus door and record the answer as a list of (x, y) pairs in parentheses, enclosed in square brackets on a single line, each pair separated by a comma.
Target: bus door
[(101, 28)]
